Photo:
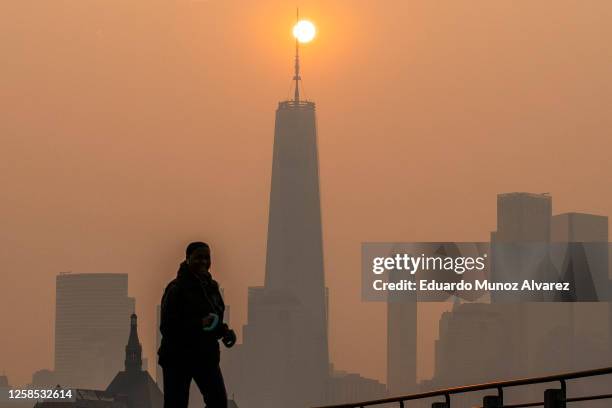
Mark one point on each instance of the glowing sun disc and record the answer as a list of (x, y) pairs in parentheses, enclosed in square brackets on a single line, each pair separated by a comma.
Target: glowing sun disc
[(304, 31)]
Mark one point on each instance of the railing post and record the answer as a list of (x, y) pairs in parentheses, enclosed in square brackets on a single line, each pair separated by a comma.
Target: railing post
[(492, 401), (554, 398), (445, 404)]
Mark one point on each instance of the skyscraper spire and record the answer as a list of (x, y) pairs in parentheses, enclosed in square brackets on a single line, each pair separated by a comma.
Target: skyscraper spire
[(293, 299), (133, 349), (135, 383), (296, 77)]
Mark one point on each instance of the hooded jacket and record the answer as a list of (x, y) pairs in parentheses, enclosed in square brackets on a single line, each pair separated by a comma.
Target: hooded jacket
[(186, 300)]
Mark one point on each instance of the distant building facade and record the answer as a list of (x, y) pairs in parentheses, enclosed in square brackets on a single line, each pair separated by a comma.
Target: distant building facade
[(488, 341), (524, 220), (523, 217), (91, 324), (475, 344), (579, 227), (402, 346), (43, 378), (286, 331), (588, 257), (346, 387)]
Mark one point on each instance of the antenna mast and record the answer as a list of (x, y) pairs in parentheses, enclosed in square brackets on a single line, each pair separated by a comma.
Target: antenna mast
[(296, 77)]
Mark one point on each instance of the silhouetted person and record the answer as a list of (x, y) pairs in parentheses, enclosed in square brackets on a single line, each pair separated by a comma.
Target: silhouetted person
[(191, 325)]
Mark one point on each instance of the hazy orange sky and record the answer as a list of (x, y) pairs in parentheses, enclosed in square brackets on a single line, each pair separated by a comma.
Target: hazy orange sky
[(130, 127)]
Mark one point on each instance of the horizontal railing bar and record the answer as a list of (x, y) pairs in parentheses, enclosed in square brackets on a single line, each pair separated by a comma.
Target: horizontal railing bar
[(590, 398), (573, 399), (480, 387), (530, 404)]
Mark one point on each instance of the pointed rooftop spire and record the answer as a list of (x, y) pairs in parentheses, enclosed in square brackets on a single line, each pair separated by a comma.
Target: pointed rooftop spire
[(133, 350)]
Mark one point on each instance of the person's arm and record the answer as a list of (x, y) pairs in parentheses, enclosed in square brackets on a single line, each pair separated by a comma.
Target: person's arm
[(214, 306), (225, 333)]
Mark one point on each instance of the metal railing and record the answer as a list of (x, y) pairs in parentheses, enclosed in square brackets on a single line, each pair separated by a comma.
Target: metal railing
[(553, 398)]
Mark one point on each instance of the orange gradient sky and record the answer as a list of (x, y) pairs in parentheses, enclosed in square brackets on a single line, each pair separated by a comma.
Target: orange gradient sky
[(130, 127)]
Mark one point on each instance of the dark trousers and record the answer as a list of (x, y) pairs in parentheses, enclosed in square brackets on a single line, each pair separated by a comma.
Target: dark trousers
[(208, 378)]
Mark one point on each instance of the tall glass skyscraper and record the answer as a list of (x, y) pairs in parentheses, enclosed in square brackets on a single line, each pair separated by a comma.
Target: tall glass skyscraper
[(285, 339)]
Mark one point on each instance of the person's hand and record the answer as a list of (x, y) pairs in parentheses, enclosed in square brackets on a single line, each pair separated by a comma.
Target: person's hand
[(210, 322), (229, 338)]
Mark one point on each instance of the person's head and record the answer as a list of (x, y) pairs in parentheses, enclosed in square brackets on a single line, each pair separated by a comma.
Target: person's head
[(197, 256)]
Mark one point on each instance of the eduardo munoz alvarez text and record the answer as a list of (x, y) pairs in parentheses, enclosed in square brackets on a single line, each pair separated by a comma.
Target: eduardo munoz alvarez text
[(458, 265)]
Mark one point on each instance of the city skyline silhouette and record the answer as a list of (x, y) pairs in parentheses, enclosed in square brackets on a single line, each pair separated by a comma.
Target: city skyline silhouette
[(127, 134)]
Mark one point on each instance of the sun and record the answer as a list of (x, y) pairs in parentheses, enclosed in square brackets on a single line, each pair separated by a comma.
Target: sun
[(304, 31)]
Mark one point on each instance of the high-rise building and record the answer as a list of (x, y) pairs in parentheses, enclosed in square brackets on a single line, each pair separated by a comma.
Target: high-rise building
[(579, 227), (91, 324), (286, 332), (402, 345), (569, 247), (520, 250), (585, 240), (523, 217), (519, 246), (475, 344)]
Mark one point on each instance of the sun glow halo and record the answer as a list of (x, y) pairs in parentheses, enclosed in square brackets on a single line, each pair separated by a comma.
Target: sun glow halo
[(304, 31)]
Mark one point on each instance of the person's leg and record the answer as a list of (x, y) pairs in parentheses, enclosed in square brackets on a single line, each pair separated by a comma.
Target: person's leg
[(210, 382), (176, 386)]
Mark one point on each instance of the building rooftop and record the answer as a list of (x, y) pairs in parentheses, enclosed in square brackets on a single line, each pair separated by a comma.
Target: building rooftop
[(296, 105), (525, 194), (580, 214)]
